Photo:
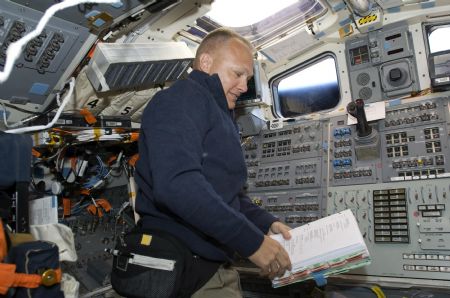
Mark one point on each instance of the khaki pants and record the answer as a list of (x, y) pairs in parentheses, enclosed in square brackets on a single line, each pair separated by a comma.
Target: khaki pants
[(225, 283)]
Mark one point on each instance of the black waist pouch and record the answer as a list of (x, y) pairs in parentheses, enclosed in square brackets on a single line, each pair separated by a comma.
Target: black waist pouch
[(150, 263)]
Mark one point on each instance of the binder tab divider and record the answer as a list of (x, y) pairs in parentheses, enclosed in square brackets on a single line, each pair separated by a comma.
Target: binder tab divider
[(319, 278)]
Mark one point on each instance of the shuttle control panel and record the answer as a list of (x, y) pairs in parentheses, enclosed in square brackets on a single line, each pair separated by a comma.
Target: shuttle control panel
[(398, 190), (393, 173)]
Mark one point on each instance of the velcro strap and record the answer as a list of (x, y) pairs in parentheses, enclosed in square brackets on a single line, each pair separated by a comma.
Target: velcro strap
[(9, 278)]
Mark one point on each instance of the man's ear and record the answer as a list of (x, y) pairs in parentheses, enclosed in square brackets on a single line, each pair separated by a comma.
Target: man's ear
[(206, 61)]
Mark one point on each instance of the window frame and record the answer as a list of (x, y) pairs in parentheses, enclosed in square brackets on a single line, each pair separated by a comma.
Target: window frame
[(430, 28), (271, 28), (275, 80)]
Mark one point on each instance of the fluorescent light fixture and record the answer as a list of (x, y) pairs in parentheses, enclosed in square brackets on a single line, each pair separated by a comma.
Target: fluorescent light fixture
[(240, 13)]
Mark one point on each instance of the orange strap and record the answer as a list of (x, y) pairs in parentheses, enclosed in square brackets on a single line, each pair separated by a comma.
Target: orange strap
[(133, 159), (88, 116), (9, 278), (35, 153), (104, 203), (134, 136), (67, 205), (92, 50), (92, 209), (3, 247), (111, 159)]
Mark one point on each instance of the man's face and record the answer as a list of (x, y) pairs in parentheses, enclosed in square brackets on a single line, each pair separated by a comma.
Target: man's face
[(233, 63)]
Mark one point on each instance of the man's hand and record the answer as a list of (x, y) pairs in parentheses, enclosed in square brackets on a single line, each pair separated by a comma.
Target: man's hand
[(271, 257), (280, 228)]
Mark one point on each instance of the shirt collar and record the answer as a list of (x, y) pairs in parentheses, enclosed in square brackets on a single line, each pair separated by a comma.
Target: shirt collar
[(213, 84)]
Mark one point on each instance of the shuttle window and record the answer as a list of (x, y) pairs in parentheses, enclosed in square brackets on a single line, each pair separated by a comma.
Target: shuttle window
[(311, 88), (259, 21), (438, 39), (225, 13), (439, 56)]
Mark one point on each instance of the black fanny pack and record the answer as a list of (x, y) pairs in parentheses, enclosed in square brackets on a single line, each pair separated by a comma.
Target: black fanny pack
[(154, 264), (149, 263)]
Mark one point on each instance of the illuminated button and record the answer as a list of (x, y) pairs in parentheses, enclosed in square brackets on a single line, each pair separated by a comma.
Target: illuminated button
[(447, 258), (432, 257), (381, 209), (440, 207), (421, 268), (400, 239), (381, 203), (420, 257), (399, 227), (422, 207), (399, 233), (433, 268), (399, 220), (383, 239), (383, 227), (383, 196), (398, 214), (409, 267), (431, 207), (397, 194), (380, 215), (408, 257), (398, 203), (444, 269), (382, 233), (431, 213), (382, 221), (381, 193), (398, 208)]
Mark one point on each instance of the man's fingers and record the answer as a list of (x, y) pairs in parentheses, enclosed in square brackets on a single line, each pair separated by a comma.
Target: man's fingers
[(283, 259), (274, 267), (286, 234), (265, 271), (271, 258)]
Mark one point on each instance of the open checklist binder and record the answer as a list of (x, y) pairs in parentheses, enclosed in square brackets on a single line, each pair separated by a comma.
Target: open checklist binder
[(325, 247)]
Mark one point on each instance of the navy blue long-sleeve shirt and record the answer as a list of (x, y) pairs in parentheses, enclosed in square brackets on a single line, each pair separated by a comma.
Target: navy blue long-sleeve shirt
[(191, 171)]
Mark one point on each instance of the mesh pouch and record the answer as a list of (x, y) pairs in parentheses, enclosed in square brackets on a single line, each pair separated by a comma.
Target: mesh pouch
[(157, 250)]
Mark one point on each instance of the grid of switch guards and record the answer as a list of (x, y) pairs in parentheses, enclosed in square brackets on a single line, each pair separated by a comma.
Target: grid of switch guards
[(390, 216)]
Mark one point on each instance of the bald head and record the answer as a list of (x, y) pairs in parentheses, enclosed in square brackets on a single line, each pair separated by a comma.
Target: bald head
[(230, 56), (215, 41)]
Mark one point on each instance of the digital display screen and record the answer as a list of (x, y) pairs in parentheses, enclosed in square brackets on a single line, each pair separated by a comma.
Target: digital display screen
[(359, 55)]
